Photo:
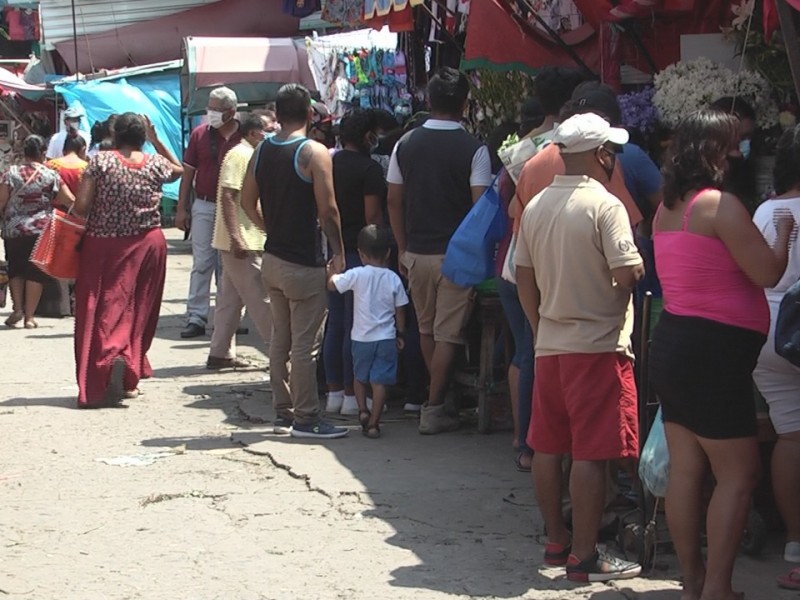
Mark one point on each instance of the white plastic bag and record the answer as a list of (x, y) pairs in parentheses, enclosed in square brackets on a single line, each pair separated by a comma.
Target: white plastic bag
[(654, 461)]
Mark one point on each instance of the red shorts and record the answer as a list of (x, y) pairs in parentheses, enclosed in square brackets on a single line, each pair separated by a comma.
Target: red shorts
[(585, 405)]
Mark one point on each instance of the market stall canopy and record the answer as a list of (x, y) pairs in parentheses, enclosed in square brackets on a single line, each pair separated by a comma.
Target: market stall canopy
[(13, 83), (491, 20), (158, 39), (255, 68)]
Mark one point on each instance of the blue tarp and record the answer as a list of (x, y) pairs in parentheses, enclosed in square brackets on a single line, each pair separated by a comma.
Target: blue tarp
[(157, 96)]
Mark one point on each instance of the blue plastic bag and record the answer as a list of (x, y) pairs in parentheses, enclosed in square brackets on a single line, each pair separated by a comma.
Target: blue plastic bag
[(469, 259), (654, 461)]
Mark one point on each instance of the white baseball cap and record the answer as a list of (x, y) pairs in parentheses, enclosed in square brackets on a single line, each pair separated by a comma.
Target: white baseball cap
[(586, 132), (73, 112)]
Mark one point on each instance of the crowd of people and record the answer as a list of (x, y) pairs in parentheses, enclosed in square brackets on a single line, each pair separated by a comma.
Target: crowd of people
[(332, 237)]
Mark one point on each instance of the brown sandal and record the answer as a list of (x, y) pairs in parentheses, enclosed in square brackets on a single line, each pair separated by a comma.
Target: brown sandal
[(372, 432), (363, 418), (13, 319)]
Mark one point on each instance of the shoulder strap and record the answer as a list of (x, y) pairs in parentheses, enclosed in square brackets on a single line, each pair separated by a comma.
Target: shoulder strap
[(688, 212)]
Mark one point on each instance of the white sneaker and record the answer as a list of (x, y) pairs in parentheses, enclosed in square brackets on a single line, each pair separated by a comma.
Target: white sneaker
[(334, 402), (792, 552), (412, 408), (349, 406)]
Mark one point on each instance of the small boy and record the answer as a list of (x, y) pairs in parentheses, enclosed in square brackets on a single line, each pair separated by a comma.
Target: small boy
[(379, 302)]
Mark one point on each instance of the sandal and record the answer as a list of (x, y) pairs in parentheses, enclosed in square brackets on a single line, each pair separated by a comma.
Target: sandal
[(372, 432), (791, 581), (32, 324), (518, 462), (363, 418), (13, 319)]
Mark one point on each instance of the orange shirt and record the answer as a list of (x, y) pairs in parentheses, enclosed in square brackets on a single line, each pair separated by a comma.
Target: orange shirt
[(70, 172), (540, 171)]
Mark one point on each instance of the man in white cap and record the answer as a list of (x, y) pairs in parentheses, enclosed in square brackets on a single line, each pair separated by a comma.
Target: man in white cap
[(72, 120), (576, 266)]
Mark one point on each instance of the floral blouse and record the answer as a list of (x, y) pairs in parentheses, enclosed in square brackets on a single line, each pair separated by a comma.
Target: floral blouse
[(32, 189), (127, 194)]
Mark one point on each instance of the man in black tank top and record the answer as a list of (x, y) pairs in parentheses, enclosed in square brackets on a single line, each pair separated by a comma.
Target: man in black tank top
[(292, 177)]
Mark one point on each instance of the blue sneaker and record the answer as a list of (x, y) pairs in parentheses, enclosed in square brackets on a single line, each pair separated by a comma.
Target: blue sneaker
[(282, 425), (319, 430)]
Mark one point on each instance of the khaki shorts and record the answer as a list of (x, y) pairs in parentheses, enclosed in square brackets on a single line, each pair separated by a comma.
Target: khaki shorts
[(443, 308)]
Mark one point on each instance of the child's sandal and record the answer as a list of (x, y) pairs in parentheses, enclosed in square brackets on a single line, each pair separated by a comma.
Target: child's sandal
[(373, 432), (363, 418)]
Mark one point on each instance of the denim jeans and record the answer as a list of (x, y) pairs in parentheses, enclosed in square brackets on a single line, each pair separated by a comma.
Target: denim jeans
[(523, 355), (337, 356)]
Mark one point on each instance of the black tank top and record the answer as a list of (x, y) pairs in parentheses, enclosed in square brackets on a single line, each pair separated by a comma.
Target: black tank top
[(288, 203)]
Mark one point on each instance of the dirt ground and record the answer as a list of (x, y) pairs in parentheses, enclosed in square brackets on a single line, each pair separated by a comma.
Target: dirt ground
[(186, 496)]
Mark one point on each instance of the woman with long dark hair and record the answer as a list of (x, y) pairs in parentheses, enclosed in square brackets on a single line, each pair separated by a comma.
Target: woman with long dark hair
[(713, 263), (123, 263)]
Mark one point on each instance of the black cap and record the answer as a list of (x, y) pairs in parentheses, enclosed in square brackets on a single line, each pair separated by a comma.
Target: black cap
[(601, 101)]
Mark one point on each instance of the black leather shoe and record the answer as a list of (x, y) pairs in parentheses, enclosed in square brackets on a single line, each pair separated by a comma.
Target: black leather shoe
[(192, 331), (215, 363)]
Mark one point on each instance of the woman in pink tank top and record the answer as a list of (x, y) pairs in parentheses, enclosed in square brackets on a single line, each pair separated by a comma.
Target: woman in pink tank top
[(713, 264)]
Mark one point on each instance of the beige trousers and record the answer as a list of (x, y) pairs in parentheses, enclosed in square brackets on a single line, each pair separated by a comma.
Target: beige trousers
[(299, 304), (241, 286)]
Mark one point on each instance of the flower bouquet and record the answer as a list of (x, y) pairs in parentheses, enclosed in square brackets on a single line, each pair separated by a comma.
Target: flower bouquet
[(688, 86), (638, 111)]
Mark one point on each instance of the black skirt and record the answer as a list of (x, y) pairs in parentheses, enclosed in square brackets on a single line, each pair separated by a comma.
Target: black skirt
[(18, 257), (702, 371)]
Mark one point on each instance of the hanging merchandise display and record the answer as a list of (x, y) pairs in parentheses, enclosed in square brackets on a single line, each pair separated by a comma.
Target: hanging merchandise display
[(301, 8), (360, 78), (347, 13)]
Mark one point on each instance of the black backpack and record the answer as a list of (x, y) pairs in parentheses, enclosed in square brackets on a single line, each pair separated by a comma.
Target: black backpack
[(787, 327)]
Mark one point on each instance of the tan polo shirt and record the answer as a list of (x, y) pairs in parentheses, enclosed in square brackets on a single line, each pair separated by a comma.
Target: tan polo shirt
[(231, 175), (573, 234)]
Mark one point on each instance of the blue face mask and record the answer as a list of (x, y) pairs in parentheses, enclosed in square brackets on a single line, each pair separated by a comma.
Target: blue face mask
[(744, 148)]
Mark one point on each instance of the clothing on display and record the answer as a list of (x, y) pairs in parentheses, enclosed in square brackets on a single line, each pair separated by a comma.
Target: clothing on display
[(373, 78), (23, 24), (301, 8)]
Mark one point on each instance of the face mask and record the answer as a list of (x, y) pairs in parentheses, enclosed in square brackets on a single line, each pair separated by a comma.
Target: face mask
[(215, 118), (744, 148)]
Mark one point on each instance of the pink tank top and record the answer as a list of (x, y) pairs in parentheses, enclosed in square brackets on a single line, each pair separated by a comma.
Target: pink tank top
[(700, 278)]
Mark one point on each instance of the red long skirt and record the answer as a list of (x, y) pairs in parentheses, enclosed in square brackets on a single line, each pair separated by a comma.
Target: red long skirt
[(117, 301)]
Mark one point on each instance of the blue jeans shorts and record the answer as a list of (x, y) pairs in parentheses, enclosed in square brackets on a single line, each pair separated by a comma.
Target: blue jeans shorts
[(375, 362)]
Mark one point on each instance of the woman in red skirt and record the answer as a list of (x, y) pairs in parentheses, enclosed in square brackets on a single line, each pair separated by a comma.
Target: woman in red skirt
[(123, 263)]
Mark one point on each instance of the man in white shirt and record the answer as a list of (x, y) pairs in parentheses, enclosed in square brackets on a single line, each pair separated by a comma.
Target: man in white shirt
[(436, 173), (72, 120)]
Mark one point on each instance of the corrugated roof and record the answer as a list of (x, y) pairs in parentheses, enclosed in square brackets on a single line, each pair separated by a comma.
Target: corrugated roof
[(97, 16)]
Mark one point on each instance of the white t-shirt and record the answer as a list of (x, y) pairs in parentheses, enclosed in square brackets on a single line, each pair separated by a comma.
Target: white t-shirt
[(480, 175), (377, 292), (765, 219), (55, 148)]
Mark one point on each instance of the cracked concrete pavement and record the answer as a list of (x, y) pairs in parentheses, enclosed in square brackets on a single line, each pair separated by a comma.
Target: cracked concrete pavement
[(229, 510)]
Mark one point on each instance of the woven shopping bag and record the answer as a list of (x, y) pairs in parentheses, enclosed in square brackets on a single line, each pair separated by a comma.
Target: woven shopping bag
[(57, 249)]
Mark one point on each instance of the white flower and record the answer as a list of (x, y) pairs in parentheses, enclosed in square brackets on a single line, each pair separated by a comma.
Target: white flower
[(688, 86), (743, 13)]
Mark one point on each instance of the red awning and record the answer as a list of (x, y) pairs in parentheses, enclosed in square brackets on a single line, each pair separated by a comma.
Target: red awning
[(490, 22), (160, 40)]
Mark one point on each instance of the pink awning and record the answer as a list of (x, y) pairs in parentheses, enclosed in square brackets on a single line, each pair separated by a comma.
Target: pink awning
[(247, 60), (160, 40), (11, 82)]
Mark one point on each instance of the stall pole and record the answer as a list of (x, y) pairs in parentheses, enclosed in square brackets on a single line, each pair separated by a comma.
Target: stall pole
[(75, 39)]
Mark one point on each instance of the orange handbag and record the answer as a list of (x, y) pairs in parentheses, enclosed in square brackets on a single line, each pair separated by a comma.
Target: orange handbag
[(57, 250)]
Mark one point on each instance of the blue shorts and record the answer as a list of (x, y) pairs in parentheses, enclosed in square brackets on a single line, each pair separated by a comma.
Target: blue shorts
[(375, 362)]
